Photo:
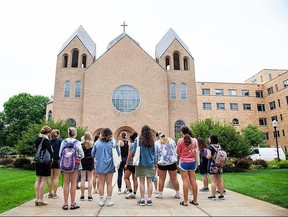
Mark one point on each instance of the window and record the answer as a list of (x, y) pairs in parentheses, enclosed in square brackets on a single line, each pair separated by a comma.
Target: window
[(266, 136), (233, 106), (276, 133), (176, 61), (281, 117), (283, 132), (279, 103), (71, 122), (167, 63), (125, 98), (207, 106), (262, 121), (77, 89), (276, 87), (272, 105), (235, 121), (261, 107), (183, 91), (186, 66), (270, 77), (245, 92), (219, 92), (270, 90), (67, 89), (177, 126), (259, 93), (287, 100), (49, 115), (246, 106), (84, 61), (285, 83), (274, 118), (172, 91), (65, 61), (75, 54), (232, 92), (220, 106), (206, 92)]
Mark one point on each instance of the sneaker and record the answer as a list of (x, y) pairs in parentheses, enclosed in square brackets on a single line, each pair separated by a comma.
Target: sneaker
[(159, 196), (110, 203), (101, 203), (224, 192), (177, 196), (149, 202), (156, 191), (82, 197), (221, 197), (55, 196), (90, 198), (212, 198), (204, 189), (50, 196), (141, 202), (119, 192), (126, 191), (130, 195)]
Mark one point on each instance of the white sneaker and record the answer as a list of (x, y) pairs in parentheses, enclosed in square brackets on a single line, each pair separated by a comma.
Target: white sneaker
[(159, 196), (177, 196), (119, 192), (130, 195), (156, 191), (110, 203), (101, 203)]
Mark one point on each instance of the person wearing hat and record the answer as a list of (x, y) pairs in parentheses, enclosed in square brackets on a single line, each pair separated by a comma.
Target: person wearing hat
[(166, 158), (43, 170)]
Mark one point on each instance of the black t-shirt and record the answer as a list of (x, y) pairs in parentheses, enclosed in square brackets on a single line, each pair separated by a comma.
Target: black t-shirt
[(124, 149)]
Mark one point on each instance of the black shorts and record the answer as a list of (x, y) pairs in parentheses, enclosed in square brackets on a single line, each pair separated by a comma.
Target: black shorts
[(131, 168), (55, 165), (170, 167)]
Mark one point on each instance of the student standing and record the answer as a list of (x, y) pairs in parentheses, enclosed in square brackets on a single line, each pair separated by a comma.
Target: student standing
[(124, 146)]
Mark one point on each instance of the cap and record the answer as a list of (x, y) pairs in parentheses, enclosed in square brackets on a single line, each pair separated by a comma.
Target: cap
[(160, 134)]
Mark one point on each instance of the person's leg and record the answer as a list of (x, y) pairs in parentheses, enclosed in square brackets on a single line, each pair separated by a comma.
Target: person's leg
[(220, 184), (205, 181), (149, 186), (174, 180), (161, 180), (82, 186), (142, 186), (192, 178), (127, 175), (66, 187), (156, 182), (36, 186), (120, 176), (108, 180), (89, 177), (135, 183), (50, 184), (95, 182), (186, 185), (213, 184), (73, 176), (56, 181), (42, 188)]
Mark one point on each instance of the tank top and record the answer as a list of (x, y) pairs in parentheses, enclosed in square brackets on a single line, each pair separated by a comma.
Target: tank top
[(124, 149)]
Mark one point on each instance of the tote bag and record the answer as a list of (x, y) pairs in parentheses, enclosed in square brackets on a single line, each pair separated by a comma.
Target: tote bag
[(136, 158), (116, 157)]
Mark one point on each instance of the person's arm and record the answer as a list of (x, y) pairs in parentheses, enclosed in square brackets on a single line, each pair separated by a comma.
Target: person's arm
[(208, 155)]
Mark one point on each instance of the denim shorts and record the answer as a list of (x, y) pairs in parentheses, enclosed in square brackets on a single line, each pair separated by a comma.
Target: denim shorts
[(188, 166)]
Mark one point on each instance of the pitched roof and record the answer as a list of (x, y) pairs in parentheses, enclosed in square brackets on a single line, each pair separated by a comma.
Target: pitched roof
[(117, 39), (84, 38), (166, 41)]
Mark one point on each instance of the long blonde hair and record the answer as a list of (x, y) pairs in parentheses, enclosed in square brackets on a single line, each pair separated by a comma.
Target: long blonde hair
[(164, 139), (88, 143)]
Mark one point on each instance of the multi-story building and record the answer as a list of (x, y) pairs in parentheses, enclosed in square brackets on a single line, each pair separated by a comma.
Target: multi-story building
[(125, 88)]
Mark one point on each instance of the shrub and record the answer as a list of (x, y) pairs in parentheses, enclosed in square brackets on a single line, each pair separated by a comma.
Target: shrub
[(29, 166), (260, 162), (19, 162), (230, 166), (6, 161), (283, 164), (242, 164)]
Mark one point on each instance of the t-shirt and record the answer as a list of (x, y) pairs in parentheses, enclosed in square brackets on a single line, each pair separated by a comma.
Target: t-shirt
[(186, 153)]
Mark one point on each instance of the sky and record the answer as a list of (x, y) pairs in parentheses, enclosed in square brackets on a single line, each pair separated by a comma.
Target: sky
[(230, 41)]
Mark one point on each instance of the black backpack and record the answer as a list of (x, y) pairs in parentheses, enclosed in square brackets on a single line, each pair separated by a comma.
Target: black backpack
[(42, 156)]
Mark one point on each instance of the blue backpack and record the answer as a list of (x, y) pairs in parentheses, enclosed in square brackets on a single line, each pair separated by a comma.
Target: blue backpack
[(68, 156)]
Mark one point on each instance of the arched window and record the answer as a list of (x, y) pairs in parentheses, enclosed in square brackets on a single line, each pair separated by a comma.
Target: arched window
[(176, 61), (126, 98), (71, 122), (183, 91), (177, 126), (77, 89), (172, 91), (84, 61), (167, 63), (65, 61), (49, 115), (235, 121), (186, 64), (75, 55), (67, 89)]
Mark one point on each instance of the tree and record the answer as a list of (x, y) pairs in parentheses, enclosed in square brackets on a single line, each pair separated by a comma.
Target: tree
[(253, 136), (21, 111), (3, 131), (232, 142), (26, 145)]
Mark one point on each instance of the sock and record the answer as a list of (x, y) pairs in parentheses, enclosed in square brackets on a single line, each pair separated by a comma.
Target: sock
[(130, 190), (101, 198), (177, 192), (160, 193), (108, 199)]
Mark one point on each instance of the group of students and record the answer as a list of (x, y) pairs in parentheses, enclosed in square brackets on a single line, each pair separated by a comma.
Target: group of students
[(156, 159)]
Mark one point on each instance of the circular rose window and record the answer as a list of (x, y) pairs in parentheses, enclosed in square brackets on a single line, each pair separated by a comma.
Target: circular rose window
[(125, 98)]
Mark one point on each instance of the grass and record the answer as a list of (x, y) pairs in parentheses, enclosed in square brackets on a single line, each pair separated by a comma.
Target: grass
[(17, 186)]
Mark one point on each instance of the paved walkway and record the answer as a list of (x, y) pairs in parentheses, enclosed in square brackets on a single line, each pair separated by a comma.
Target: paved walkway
[(234, 205)]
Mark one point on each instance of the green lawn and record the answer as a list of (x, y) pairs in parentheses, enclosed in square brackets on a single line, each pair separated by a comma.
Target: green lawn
[(17, 186)]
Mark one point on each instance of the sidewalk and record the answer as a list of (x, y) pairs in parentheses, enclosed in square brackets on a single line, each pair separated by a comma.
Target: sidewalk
[(234, 205)]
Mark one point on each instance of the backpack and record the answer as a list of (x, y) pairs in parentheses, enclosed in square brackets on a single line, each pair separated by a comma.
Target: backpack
[(68, 156), (220, 156), (42, 156)]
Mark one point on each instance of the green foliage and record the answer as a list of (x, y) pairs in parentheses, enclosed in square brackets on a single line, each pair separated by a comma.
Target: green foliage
[(253, 136), (261, 162), (6, 150), (20, 162), (275, 164), (26, 145), (233, 143), (21, 111), (242, 164)]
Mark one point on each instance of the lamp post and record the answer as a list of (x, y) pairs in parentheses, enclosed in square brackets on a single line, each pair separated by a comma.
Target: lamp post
[(275, 124)]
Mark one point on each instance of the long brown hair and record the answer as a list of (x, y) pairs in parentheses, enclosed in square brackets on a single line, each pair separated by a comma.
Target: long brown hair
[(146, 137), (106, 135)]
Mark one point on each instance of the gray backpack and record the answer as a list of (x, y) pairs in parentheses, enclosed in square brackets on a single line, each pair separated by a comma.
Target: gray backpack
[(42, 156)]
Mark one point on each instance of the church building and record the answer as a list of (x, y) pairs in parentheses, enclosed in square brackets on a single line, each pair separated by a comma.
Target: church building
[(124, 88)]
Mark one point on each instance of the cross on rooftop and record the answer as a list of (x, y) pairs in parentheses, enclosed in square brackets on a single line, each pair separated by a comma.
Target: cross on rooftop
[(124, 25)]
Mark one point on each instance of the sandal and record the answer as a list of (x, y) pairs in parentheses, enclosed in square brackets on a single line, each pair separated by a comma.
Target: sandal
[(65, 207), (194, 203), (74, 206), (183, 204)]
